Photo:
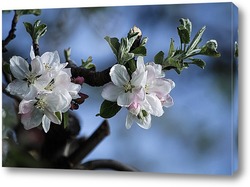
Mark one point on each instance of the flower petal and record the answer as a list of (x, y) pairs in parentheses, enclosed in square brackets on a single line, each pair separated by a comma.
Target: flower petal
[(26, 106), (125, 99), (19, 67), (32, 53), (37, 67), (119, 75), (155, 104), (45, 123), (52, 116), (18, 87), (167, 101), (145, 122), (32, 119), (129, 120), (111, 92), (51, 59), (160, 87)]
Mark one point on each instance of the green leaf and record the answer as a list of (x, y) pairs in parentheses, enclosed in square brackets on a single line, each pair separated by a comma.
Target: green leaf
[(35, 12), (140, 51), (65, 119), (109, 109), (59, 115), (6, 68), (171, 50), (159, 58), (88, 64), (198, 62), (126, 57), (114, 44), (195, 41), (36, 30), (41, 30), (184, 30), (210, 49), (28, 27)]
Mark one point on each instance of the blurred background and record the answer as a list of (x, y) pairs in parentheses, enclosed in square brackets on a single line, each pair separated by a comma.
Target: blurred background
[(198, 134)]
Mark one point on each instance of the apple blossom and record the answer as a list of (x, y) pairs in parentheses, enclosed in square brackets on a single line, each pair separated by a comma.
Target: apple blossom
[(45, 88), (123, 89)]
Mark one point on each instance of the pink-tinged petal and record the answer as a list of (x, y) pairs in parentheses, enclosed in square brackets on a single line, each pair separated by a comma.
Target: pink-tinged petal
[(18, 87), (26, 106), (19, 67), (134, 108), (52, 116), (155, 104), (119, 75), (167, 101), (160, 87), (129, 120), (157, 69), (151, 74), (111, 92), (37, 67), (32, 94), (139, 94), (45, 123), (32, 119), (172, 83), (125, 99)]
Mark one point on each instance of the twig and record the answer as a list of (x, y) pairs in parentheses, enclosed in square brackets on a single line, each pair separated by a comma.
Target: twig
[(87, 146), (11, 34), (107, 164), (91, 77)]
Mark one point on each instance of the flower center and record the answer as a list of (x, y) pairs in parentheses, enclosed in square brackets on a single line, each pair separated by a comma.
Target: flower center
[(128, 87), (40, 104)]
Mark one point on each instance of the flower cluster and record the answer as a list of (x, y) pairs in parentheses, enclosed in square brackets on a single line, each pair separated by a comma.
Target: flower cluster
[(45, 88), (143, 93)]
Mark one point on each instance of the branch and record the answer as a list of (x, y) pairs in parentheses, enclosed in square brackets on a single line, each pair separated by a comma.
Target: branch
[(107, 164), (91, 77), (11, 34), (87, 146)]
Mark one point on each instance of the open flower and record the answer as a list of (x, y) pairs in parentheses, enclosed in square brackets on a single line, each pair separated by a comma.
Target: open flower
[(143, 94), (45, 88), (43, 108), (123, 89)]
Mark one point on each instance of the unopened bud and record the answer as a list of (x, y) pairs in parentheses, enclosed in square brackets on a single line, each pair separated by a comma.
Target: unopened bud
[(135, 30)]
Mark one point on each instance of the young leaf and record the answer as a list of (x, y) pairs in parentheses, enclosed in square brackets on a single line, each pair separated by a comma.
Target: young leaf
[(184, 30), (198, 62), (114, 44), (210, 49), (159, 57), (140, 51), (109, 109), (195, 41)]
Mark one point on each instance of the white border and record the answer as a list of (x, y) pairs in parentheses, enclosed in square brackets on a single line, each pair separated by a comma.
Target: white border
[(44, 177)]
